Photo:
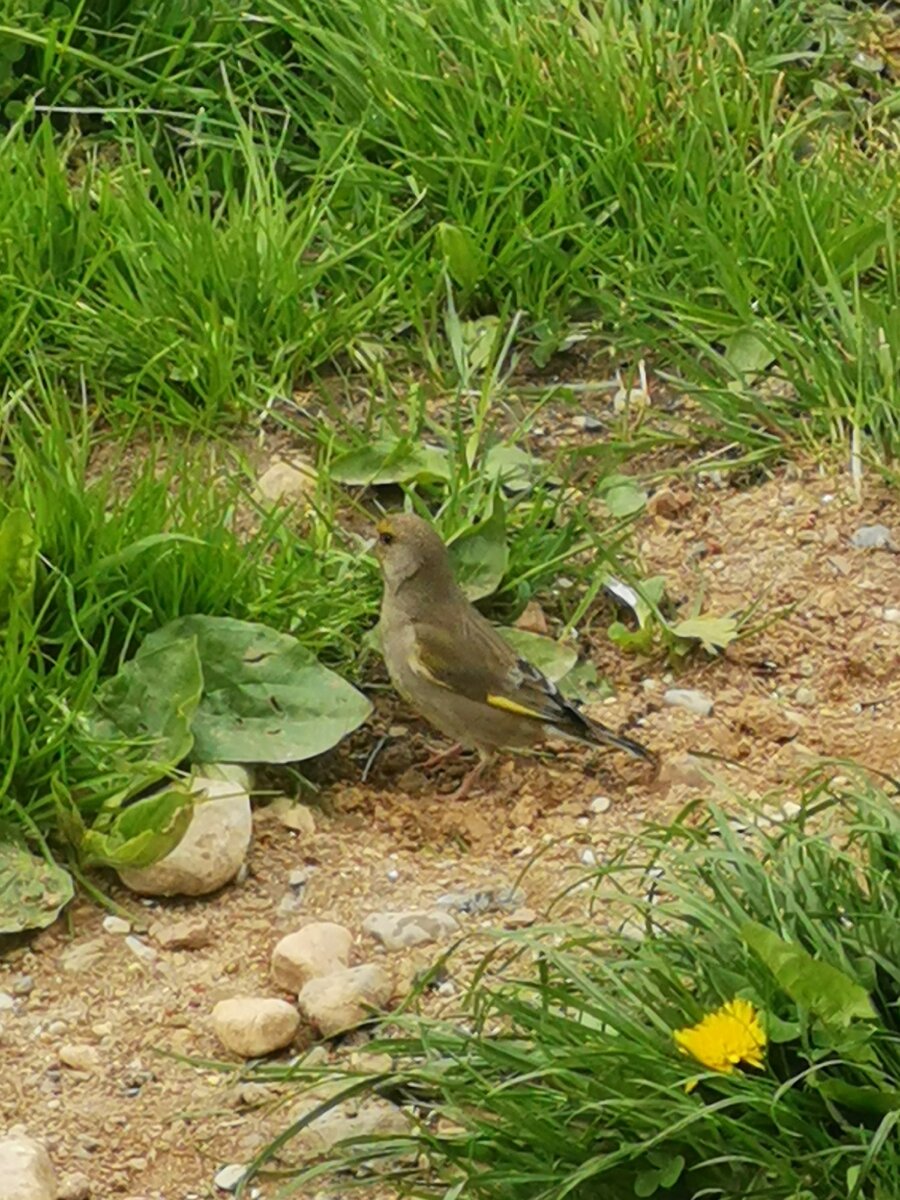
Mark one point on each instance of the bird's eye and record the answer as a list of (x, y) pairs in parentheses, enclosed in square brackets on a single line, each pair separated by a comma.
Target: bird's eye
[(385, 538)]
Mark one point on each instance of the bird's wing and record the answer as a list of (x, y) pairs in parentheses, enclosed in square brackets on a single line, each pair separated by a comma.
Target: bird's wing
[(475, 662)]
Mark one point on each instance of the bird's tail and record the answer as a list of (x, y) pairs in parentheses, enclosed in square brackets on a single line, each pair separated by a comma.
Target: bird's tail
[(595, 734)]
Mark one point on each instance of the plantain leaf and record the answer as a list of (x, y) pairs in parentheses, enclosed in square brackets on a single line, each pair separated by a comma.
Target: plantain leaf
[(553, 658), (32, 890), (142, 833), (480, 555), (391, 461)]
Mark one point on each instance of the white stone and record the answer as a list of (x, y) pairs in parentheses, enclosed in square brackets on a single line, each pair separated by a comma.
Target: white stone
[(228, 1178), (690, 700), (588, 858), (340, 1001), (401, 930), (116, 925), (892, 615), (252, 1026), (211, 852), (316, 950), (140, 949), (600, 805), (26, 1172)]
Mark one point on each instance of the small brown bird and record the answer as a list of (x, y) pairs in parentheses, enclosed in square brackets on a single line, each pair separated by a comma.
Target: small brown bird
[(454, 668)]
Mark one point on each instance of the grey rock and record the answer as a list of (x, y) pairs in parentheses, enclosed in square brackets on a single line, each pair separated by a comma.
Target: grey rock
[(688, 699), (371, 1118), (80, 1056), (475, 901), (117, 925), (892, 615), (873, 537), (7, 1002), (23, 985), (140, 949), (75, 1187), (401, 930), (26, 1172)]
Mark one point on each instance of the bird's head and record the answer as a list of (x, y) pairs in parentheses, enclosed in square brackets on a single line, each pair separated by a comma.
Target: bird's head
[(408, 548)]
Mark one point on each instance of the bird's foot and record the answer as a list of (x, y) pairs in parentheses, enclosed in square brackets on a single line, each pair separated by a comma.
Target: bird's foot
[(466, 786), (442, 756)]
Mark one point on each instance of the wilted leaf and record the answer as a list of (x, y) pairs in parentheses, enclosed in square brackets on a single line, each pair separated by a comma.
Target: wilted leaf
[(747, 354), (480, 555), (142, 833), (817, 986), (146, 710), (464, 261), (622, 496), (265, 696), (32, 890), (387, 461), (714, 633), (18, 555), (553, 658)]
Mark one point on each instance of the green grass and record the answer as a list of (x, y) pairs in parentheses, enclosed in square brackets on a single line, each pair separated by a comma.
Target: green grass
[(224, 204), (560, 1076)]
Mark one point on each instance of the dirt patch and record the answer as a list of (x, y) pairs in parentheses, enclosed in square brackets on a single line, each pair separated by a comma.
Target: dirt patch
[(822, 680)]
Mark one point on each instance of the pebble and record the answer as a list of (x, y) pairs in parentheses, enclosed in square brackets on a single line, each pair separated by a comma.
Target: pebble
[(393, 875), (23, 985), (402, 930), (79, 1056), (371, 1118), (688, 699), (26, 1172), (211, 852), (873, 537), (892, 615), (286, 481), (476, 901), (600, 805), (83, 955), (193, 933), (116, 925), (253, 1026), (805, 697), (140, 949), (587, 423), (75, 1187), (342, 1000), (522, 918), (7, 1003), (316, 950), (228, 1178), (587, 857), (292, 815)]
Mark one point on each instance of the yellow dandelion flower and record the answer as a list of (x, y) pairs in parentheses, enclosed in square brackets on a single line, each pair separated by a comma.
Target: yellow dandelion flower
[(724, 1038)]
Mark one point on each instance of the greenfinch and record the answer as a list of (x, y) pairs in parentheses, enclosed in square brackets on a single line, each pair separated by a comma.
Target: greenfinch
[(453, 667)]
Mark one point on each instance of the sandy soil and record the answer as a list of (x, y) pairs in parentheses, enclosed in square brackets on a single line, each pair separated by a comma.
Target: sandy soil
[(821, 680)]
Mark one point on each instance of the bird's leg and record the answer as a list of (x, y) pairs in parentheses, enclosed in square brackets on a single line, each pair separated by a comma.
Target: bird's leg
[(441, 756), (466, 786)]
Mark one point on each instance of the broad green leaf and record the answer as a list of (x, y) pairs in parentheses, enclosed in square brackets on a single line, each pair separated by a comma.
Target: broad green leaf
[(714, 633), (18, 557), (631, 641), (817, 986), (646, 1183), (584, 682), (622, 496), (464, 261), (778, 1031), (553, 658), (478, 340), (265, 696), (512, 467), (747, 354), (142, 833), (872, 1101), (480, 555), (32, 890), (390, 461), (147, 709)]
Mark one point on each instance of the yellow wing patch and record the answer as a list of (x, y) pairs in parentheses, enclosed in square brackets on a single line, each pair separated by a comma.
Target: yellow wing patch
[(511, 706)]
